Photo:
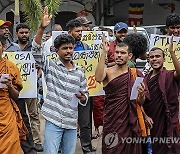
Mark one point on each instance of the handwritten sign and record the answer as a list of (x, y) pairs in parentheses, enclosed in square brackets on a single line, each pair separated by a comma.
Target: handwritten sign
[(93, 39), (162, 41), (26, 64), (87, 60)]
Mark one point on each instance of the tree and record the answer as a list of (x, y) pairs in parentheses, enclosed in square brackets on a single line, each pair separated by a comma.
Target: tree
[(33, 10)]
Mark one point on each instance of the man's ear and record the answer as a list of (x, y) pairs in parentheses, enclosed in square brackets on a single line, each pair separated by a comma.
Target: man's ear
[(69, 32), (130, 55), (166, 29)]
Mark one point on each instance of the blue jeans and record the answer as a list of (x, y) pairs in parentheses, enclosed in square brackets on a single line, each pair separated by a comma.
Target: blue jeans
[(55, 136)]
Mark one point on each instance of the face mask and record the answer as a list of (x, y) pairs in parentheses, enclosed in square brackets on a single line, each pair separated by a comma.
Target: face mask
[(111, 38)]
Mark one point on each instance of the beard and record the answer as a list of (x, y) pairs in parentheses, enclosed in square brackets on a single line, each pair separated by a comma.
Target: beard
[(23, 41), (77, 39)]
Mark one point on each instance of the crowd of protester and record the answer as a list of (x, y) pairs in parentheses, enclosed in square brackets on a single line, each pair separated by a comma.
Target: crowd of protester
[(156, 107)]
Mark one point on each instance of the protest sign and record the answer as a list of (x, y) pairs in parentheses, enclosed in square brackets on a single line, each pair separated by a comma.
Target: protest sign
[(163, 41), (94, 39), (87, 60), (26, 64)]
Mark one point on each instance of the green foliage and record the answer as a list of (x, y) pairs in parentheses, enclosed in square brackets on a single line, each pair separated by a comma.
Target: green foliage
[(33, 10), (53, 6)]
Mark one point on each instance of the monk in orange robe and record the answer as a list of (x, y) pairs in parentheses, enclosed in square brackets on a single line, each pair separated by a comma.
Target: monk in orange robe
[(11, 125)]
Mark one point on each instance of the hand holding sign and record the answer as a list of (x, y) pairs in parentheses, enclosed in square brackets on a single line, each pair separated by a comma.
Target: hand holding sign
[(4, 80), (170, 49), (78, 96), (141, 95), (135, 90)]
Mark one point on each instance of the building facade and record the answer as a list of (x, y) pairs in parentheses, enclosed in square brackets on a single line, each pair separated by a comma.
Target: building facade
[(105, 12)]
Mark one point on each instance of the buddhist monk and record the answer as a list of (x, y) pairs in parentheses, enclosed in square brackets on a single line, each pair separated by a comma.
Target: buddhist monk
[(163, 105), (10, 119), (120, 115)]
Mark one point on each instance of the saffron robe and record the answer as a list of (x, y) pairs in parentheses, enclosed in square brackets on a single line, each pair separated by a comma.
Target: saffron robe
[(11, 126), (120, 117), (163, 107)]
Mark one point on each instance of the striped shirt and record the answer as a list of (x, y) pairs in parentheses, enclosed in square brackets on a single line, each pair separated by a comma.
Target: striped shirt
[(62, 84)]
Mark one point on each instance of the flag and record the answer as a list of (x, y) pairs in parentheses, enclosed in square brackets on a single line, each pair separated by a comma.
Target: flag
[(136, 14)]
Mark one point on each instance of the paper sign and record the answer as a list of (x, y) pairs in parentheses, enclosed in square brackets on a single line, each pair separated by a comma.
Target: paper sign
[(163, 41), (94, 39), (3, 76), (74, 102), (88, 60), (26, 64), (134, 91)]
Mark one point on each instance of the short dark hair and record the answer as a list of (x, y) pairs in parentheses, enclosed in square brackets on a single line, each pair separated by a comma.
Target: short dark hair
[(49, 32), (73, 23), (2, 40), (172, 20), (108, 30), (22, 25), (123, 44), (63, 39), (137, 42), (157, 48)]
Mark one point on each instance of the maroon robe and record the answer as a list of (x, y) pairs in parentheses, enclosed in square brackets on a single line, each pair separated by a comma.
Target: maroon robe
[(120, 117), (163, 108), (98, 107)]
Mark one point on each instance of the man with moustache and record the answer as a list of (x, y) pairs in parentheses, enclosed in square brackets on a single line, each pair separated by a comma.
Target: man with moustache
[(75, 28), (173, 24), (120, 115), (162, 105), (63, 79), (4, 31), (120, 31), (23, 33)]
